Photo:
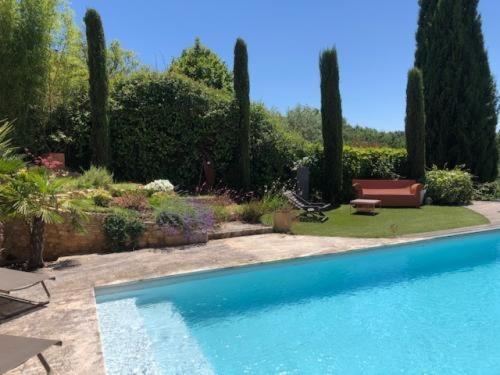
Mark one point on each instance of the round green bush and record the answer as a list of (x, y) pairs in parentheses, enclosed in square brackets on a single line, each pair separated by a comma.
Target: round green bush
[(449, 186)]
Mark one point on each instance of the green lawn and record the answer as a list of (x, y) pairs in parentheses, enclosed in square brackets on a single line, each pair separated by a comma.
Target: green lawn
[(389, 221)]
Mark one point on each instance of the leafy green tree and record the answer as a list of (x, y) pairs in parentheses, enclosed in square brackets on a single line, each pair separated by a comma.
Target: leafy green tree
[(360, 136), (25, 37), (331, 116), (460, 93), (68, 73), (98, 88), (242, 95), (202, 64), (415, 125), (121, 62), (306, 121)]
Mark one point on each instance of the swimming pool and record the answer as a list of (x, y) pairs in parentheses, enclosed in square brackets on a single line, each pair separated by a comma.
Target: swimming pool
[(427, 307)]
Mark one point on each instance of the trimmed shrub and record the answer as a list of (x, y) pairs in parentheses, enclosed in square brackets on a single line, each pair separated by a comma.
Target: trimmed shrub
[(102, 198), (449, 186), (251, 212), (159, 186), (122, 232)]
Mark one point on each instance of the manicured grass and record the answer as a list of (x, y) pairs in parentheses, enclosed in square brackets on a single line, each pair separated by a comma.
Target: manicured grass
[(389, 221)]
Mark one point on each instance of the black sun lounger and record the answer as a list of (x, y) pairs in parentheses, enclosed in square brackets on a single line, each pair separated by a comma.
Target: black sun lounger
[(310, 211), (16, 350)]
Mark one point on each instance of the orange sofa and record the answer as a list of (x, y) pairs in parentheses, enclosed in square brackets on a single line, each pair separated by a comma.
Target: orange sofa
[(392, 193)]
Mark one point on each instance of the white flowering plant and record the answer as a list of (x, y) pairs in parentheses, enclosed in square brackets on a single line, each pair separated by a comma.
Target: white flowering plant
[(159, 186)]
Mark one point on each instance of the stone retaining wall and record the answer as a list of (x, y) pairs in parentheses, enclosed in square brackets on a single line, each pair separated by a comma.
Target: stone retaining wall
[(63, 239)]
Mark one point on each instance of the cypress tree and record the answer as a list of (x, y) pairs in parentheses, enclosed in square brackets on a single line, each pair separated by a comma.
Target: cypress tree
[(98, 88), (242, 95), (459, 90), (415, 125), (331, 124)]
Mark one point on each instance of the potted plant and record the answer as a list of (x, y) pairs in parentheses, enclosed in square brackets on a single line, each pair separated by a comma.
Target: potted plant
[(283, 218)]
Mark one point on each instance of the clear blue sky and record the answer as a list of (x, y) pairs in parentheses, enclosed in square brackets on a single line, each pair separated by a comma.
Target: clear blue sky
[(374, 39)]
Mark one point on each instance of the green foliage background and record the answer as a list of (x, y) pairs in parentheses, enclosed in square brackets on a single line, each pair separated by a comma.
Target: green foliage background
[(460, 92), (306, 121)]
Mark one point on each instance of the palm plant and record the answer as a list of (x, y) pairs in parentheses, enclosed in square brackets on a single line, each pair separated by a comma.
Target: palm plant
[(9, 161), (32, 196)]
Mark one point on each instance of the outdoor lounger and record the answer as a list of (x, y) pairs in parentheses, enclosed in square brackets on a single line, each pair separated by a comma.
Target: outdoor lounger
[(311, 211), (11, 281), (15, 350)]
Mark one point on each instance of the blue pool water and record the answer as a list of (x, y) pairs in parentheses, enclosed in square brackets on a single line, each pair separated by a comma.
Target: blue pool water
[(426, 308)]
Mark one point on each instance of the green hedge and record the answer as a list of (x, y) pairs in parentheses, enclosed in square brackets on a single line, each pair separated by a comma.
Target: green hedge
[(274, 149), (162, 126), (360, 163)]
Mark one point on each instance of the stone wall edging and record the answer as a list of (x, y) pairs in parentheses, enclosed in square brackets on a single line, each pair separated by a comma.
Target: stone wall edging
[(64, 240)]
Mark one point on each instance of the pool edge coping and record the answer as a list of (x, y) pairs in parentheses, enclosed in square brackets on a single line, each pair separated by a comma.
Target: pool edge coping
[(107, 288)]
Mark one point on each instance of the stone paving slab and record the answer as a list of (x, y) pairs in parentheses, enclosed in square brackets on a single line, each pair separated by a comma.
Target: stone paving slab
[(71, 315), (238, 229)]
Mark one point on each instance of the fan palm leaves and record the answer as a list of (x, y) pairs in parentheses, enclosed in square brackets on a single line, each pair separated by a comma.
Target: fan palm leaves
[(32, 196)]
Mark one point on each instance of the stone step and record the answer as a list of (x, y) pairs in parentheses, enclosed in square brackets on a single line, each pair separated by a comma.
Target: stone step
[(238, 229)]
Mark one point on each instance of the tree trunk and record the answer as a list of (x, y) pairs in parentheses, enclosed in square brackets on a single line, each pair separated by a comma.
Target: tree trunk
[(36, 241)]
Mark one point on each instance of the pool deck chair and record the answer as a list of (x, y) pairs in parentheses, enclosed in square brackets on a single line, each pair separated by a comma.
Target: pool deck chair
[(310, 211), (11, 280), (16, 350)]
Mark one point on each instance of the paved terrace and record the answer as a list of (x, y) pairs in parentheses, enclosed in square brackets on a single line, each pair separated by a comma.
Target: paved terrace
[(71, 314)]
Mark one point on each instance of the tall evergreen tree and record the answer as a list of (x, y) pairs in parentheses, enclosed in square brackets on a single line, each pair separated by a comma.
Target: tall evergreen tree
[(460, 93), (331, 124), (242, 94), (98, 88), (415, 125)]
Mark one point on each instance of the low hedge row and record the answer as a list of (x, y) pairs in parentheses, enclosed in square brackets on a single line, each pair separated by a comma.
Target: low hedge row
[(360, 163)]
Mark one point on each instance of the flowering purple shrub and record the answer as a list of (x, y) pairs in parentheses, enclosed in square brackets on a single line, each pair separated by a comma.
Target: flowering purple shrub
[(187, 216)]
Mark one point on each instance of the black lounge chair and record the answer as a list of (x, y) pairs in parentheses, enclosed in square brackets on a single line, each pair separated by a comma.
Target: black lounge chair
[(310, 211), (16, 350)]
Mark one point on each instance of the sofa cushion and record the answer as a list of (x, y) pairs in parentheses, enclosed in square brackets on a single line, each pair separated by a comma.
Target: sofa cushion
[(395, 192)]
